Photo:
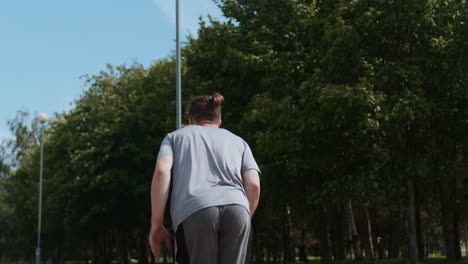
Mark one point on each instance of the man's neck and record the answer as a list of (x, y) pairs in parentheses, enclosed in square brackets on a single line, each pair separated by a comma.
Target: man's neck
[(207, 124)]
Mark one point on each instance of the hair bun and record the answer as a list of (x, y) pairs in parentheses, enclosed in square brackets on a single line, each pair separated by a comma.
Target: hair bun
[(215, 101)]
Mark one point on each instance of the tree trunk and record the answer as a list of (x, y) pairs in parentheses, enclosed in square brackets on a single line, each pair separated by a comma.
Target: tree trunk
[(277, 255), (142, 247), (457, 234), (413, 249), (466, 247), (258, 251), (419, 234), (85, 253), (337, 234), (390, 238), (122, 247), (303, 249), (354, 233), (427, 245), (94, 257), (164, 255), (323, 232), (102, 249), (261, 253), (449, 221), (380, 248), (269, 255), (349, 236), (289, 256), (340, 237), (369, 233), (394, 237), (108, 247), (332, 236), (57, 256)]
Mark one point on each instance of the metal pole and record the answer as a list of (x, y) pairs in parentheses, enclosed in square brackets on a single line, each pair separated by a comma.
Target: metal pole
[(178, 77), (38, 249)]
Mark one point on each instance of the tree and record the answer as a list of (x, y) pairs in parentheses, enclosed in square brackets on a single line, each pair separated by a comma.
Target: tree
[(99, 160), (308, 49)]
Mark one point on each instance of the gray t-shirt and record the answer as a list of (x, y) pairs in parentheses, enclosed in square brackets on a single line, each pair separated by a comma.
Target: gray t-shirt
[(207, 169)]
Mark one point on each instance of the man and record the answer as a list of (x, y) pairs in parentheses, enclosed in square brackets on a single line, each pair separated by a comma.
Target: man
[(216, 189)]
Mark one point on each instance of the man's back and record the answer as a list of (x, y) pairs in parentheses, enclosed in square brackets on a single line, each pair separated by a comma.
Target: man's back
[(208, 167)]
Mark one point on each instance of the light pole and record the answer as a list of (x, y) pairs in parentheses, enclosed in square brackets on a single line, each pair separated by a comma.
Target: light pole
[(178, 77), (42, 118)]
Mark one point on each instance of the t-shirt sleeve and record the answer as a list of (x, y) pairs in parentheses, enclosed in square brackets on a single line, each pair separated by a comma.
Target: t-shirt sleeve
[(248, 161), (166, 147)]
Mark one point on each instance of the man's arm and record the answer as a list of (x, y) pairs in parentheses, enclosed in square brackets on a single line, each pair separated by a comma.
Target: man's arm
[(251, 181), (159, 195)]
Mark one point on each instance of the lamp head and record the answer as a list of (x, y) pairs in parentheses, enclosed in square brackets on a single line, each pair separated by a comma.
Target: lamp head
[(42, 117)]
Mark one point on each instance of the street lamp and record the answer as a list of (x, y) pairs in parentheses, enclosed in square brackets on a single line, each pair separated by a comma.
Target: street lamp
[(42, 118), (178, 74)]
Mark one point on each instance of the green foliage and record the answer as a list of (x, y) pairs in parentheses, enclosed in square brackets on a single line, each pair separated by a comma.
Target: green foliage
[(99, 159), (349, 98), (339, 100)]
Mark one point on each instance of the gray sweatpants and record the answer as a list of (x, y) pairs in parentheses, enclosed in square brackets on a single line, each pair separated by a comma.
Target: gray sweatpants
[(214, 235)]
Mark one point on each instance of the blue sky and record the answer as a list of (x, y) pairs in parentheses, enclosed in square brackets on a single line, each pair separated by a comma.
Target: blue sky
[(45, 46)]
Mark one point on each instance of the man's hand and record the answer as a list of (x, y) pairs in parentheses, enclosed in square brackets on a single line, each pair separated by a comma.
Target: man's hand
[(159, 195), (252, 188), (157, 236)]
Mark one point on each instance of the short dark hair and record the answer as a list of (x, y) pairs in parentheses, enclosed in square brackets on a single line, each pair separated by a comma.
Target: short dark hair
[(205, 108)]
